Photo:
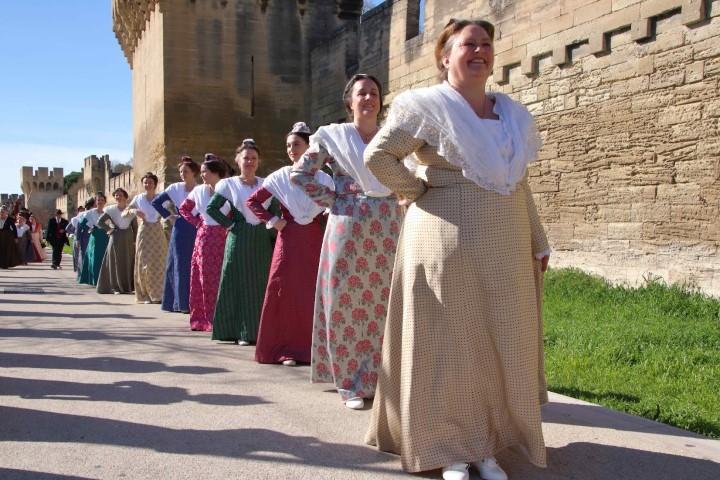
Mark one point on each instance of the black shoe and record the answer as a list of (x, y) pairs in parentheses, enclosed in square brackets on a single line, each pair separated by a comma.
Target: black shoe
[(54, 267)]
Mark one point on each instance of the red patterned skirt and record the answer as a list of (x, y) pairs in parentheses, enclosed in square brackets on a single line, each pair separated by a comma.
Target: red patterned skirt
[(205, 268)]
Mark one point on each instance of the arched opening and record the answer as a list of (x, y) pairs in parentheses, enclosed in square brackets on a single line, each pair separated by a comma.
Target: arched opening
[(42, 187), (55, 186)]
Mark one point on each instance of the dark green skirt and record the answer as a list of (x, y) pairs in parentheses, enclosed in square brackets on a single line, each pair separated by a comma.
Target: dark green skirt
[(246, 265), (92, 260)]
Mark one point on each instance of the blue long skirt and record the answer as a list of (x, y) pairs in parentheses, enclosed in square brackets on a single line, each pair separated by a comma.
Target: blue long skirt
[(176, 292)]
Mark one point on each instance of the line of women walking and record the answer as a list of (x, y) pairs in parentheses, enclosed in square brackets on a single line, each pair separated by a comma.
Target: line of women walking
[(419, 287)]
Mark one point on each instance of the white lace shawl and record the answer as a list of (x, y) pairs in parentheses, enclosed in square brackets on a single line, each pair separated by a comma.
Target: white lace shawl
[(344, 144), (440, 116), (300, 206)]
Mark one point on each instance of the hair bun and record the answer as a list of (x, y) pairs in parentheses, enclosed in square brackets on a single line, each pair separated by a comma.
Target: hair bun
[(248, 141), (300, 127), (211, 157)]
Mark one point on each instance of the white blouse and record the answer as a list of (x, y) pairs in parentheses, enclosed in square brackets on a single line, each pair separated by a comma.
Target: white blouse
[(237, 192), (141, 202), (177, 193), (120, 221), (92, 217), (201, 195)]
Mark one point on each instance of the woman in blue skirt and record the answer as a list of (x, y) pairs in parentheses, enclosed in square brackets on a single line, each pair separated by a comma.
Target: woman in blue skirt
[(176, 292)]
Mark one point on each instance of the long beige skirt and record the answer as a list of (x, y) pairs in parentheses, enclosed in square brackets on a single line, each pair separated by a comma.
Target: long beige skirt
[(462, 375), (150, 254)]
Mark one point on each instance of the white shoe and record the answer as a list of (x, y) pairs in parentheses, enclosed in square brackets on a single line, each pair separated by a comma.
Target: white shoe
[(147, 302), (456, 471), (490, 470), (355, 403), (243, 343), (116, 293), (289, 362)]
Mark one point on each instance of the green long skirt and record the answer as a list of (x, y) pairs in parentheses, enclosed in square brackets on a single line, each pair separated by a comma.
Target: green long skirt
[(246, 265), (94, 253)]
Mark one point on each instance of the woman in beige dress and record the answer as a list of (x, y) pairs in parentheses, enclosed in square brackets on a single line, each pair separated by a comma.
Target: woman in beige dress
[(462, 375)]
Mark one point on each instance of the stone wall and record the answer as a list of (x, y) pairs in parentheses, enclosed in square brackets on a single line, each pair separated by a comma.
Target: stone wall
[(208, 74), (626, 94)]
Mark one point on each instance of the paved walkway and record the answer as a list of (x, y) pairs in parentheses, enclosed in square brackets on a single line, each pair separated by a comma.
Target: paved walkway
[(94, 386)]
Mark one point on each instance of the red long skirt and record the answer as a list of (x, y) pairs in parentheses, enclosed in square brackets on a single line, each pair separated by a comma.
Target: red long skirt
[(205, 269), (286, 321)]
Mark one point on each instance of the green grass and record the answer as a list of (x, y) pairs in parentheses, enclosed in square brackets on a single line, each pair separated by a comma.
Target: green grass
[(652, 351)]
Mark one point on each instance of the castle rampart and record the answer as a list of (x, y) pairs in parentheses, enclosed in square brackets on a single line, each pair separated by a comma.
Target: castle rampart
[(41, 187)]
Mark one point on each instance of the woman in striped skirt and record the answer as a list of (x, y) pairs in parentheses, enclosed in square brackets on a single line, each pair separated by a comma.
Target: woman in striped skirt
[(150, 245), (207, 255), (248, 250)]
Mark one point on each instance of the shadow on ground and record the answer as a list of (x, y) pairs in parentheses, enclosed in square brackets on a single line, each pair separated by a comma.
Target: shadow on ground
[(26, 425), (16, 474), (70, 335), (22, 313), (98, 364), (125, 392), (594, 461)]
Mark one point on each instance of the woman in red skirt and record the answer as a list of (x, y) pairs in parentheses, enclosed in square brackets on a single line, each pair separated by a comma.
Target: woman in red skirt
[(286, 322), (207, 255)]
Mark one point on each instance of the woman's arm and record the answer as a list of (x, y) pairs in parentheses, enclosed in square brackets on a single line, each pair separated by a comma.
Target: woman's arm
[(255, 204), (158, 202), (304, 176), (383, 157), (186, 211), (540, 246), (102, 223), (214, 210)]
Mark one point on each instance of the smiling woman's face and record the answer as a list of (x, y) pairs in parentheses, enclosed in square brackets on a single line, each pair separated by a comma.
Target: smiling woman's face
[(471, 56)]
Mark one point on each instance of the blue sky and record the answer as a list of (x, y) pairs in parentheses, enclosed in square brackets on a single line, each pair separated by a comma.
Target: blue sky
[(65, 89)]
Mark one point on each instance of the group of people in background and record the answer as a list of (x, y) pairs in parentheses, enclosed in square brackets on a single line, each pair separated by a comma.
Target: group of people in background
[(403, 263), (21, 237)]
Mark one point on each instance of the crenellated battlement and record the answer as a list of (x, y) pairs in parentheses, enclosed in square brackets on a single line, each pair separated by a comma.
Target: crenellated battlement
[(129, 19), (41, 179)]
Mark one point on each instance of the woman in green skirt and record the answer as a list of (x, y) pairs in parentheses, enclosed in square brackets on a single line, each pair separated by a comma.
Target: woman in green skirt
[(248, 250), (95, 251)]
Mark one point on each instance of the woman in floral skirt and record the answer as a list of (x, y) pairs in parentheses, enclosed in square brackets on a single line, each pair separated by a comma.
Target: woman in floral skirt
[(358, 249)]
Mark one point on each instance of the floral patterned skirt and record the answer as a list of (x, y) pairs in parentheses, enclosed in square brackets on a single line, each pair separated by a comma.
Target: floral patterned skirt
[(352, 291)]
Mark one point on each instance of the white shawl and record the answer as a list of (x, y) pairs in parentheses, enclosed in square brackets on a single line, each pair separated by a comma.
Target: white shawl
[(300, 206), (440, 116), (344, 144)]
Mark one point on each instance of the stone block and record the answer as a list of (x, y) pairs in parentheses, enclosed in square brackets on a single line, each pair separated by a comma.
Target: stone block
[(680, 114), (667, 77), (630, 87), (695, 71), (559, 24), (624, 231), (649, 212), (620, 4), (592, 11), (706, 49)]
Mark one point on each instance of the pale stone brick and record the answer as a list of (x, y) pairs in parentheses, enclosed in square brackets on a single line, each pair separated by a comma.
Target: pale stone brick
[(695, 71), (592, 11), (680, 114)]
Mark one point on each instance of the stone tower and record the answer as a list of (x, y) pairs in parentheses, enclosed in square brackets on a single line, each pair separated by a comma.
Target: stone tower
[(207, 74), (41, 187)]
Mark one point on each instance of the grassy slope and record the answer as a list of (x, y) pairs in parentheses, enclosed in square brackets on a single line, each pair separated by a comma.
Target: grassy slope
[(652, 351)]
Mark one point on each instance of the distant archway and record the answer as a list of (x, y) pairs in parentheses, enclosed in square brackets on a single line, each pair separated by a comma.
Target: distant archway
[(42, 187)]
